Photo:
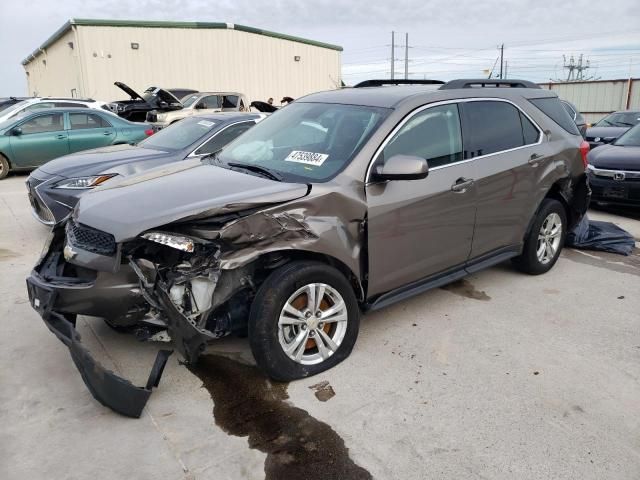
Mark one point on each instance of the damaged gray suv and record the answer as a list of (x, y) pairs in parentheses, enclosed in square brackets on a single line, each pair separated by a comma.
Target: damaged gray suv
[(342, 202)]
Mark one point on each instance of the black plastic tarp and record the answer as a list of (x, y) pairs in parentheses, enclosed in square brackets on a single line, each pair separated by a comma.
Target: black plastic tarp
[(603, 236)]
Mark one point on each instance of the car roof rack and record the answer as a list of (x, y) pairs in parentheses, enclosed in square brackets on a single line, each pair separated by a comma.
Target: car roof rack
[(392, 81), (69, 98), (487, 82)]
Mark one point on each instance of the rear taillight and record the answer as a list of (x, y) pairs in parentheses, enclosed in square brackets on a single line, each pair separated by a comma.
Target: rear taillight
[(148, 132), (584, 150)]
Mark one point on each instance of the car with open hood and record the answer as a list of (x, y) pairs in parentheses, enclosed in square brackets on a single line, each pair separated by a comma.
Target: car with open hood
[(609, 128), (54, 188), (614, 171), (33, 138), (199, 104), (153, 98), (343, 202)]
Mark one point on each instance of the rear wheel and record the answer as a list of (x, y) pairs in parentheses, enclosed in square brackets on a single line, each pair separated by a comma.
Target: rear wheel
[(4, 166), (544, 243), (304, 320)]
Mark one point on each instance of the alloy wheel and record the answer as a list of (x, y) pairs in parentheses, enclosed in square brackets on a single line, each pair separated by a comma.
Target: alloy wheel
[(549, 238), (312, 323)]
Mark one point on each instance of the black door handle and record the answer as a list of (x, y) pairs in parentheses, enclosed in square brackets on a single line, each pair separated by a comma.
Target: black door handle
[(462, 184)]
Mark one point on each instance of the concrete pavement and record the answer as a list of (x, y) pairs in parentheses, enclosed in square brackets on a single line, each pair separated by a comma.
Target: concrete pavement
[(501, 376)]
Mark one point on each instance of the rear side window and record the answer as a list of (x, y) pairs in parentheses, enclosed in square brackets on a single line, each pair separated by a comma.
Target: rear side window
[(433, 134), (496, 126), (530, 133), (553, 109), (87, 120), (230, 101)]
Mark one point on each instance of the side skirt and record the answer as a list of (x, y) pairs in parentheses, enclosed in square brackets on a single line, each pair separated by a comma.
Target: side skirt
[(439, 279)]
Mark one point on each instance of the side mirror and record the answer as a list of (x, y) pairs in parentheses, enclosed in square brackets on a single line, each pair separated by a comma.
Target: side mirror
[(16, 131), (201, 106), (402, 167)]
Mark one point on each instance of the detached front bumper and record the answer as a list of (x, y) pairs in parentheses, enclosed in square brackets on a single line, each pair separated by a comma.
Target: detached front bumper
[(46, 295)]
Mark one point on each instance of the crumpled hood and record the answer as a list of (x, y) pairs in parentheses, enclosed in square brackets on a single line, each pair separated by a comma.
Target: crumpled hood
[(612, 157), (177, 191), (99, 160), (606, 132)]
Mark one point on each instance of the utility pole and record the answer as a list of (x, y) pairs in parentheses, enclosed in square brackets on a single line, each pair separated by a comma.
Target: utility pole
[(501, 59), (393, 53), (506, 68), (406, 56)]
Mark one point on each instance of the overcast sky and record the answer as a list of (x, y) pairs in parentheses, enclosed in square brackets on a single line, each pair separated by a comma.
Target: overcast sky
[(449, 39)]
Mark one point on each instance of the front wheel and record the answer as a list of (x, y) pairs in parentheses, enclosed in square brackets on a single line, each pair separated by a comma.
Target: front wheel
[(545, 240), (4, 166), (303, 321)]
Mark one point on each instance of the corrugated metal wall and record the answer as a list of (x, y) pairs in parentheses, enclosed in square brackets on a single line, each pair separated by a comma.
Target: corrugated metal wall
[(597, 98), (203, 59), (60, 74)]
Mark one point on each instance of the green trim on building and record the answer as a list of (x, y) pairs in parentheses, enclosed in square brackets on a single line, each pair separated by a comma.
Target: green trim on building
[(85, 22)]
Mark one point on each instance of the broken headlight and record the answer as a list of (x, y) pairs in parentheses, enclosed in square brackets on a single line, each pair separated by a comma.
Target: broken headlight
[(179, 242)]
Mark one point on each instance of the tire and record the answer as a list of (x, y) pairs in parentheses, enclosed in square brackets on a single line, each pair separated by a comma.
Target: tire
[(536, 258), (4, 166), (294, 282)]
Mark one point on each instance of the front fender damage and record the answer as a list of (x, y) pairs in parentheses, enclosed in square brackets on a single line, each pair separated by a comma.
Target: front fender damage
[(246, 248)]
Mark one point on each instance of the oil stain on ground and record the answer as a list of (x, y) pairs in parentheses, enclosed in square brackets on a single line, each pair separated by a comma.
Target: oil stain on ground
[(246, 404), (464, 288)]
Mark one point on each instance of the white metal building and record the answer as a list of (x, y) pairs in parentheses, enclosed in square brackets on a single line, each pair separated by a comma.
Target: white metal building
[(597, 98), (84, 57)]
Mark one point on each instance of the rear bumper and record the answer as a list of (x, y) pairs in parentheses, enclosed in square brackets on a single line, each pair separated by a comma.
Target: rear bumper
[(108, 388)]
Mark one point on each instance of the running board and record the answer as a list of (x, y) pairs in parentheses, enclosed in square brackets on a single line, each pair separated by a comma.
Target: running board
[(443, 278)]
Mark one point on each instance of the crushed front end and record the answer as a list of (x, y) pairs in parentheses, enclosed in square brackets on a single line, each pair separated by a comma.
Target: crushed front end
[(153, 281)]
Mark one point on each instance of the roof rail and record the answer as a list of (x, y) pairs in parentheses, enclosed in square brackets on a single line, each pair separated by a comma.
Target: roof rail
[(487, 82), (70, 98), (380, 83)]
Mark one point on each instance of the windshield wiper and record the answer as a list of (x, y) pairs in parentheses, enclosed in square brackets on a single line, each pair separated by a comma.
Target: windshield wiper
[(626, 124), (258, 169)]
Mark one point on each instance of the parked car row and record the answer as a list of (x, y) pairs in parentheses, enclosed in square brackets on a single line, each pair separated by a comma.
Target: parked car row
[(338, 204), (34, 137), (614, 170)]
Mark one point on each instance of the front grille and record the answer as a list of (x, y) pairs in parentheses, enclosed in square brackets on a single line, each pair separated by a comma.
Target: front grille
[(90, 239), (40, 210)]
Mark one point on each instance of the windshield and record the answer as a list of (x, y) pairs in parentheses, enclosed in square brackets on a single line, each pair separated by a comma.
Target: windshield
[(630, 138), (189, 100), (180, 135), (621, 119), (306, 141)]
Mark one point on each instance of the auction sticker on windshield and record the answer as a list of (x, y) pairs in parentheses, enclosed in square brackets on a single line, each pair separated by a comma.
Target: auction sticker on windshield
[(309, 158), (206, 123)]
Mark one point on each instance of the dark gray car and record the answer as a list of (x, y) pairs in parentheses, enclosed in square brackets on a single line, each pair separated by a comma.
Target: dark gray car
[(608, 129), (343, 202), (55, 187)]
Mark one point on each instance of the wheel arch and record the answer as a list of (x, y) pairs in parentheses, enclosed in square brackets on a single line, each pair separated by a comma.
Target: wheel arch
[(574, 197), (275, 259)]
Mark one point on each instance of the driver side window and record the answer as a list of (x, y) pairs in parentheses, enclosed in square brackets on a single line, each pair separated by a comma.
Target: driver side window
[(433, 134)]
